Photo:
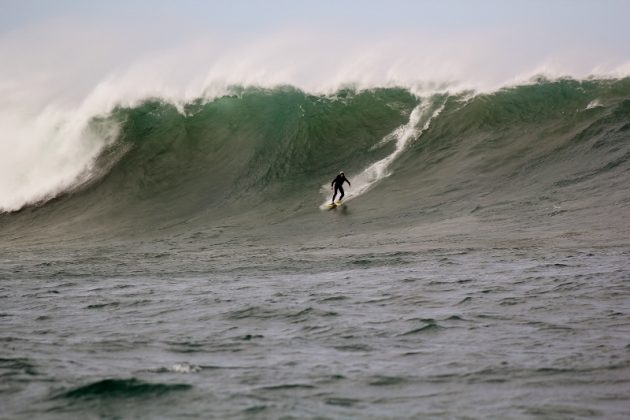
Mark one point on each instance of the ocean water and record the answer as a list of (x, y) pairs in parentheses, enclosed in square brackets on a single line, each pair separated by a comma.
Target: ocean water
[(479, 267)]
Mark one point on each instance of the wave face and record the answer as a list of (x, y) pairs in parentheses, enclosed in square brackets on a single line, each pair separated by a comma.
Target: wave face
[(267, 155)]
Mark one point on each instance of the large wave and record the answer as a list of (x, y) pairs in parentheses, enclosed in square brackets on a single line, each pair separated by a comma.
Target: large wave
[(255, 151)]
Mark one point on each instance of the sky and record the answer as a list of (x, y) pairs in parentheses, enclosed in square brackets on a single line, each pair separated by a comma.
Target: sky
[(598, 18), (64, 49)]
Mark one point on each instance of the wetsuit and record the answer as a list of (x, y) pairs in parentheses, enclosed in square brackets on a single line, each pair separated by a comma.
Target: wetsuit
[(338, 184)]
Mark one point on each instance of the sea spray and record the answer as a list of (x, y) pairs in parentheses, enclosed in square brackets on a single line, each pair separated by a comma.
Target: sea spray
[(44, 156)]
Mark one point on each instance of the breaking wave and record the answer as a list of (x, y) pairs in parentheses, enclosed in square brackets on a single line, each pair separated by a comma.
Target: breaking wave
[(253, 148)]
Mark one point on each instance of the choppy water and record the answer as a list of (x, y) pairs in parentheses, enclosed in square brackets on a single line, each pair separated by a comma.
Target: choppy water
[(503, 333)]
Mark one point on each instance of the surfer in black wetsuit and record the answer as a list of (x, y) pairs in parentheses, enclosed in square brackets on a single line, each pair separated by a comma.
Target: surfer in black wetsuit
[(337, 184)]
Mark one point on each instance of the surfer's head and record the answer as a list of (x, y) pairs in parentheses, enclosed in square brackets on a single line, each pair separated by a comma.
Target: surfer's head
[(340, 172)]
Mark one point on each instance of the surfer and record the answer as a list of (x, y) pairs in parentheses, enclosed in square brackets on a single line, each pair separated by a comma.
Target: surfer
[(337, 184)]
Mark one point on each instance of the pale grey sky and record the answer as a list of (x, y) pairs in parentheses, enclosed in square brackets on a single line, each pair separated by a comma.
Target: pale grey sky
[(604, 20), (68, 47)]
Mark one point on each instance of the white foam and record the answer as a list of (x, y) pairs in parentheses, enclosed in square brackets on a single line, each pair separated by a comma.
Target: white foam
[(185, 368), (595, 103), (44, 155)]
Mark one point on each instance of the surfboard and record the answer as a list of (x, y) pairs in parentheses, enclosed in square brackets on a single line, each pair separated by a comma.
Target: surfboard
[(334, 205)]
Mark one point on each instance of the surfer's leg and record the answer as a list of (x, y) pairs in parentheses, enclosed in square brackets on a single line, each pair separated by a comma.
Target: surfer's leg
[(334, 195), (342, 193)]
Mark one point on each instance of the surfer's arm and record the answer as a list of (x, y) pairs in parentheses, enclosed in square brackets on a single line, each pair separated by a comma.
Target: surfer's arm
[(348, 182)]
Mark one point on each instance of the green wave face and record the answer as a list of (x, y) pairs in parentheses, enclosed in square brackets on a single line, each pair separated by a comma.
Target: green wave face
[(525, 143), (265, 154), (251, 141)]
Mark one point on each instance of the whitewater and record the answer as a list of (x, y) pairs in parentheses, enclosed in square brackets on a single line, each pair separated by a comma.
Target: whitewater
[(165, 251)]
